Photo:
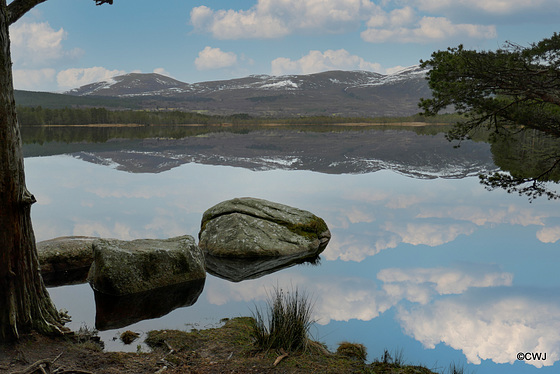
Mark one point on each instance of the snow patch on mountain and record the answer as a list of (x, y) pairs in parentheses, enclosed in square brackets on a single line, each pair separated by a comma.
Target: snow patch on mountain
[(281, 84)]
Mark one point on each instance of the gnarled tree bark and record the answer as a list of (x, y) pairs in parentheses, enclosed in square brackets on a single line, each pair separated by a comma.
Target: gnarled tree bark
[(24, 301)]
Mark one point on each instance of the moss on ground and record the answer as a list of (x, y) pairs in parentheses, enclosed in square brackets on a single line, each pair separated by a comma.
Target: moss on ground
[(230, 349)]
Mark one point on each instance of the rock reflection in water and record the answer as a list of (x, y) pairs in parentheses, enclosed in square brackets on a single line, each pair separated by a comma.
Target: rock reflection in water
[(113, 312), (237, 270), (65, 277)]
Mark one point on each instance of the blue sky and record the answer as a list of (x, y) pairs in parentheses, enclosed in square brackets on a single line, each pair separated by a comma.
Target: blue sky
[(62, 44)]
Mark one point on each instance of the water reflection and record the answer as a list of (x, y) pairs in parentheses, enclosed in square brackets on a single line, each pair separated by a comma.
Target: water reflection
[(440, 267), (490, 324), (113, 312), (529, 160), (237, 270)]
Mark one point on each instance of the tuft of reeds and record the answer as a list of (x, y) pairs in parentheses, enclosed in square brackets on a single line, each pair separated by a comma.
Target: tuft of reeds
[(455, 369), (285, 323)]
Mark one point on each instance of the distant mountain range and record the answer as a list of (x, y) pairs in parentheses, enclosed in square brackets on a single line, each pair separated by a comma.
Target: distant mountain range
[(344, 152), (344, 93)]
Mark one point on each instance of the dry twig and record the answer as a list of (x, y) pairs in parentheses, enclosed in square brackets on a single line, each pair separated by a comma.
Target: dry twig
[(280, 358)]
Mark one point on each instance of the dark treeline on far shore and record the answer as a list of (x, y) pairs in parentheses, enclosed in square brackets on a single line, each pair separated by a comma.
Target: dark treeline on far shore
[(39, 116)]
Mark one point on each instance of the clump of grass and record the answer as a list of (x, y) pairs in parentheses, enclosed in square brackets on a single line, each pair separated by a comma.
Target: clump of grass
[(128, 336), (396, 359), (352, 350), (285, 323), (88, 338), (455, 369)]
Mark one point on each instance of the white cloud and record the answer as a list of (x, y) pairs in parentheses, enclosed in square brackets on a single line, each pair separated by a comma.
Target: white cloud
[(549, 234), (38, 45), (316, 61), (420, 284), (484, 215), (342, 299), (162, 71), (164, 224), (491, 7), (231, 24), (214, 58), (367, 195), (273, 19), (33, 79), (356, 215), (140, 192), (345, 298), (427, 29), (404, 201), (359, 247), (488, 325), (334, 298), (76, 77), (430, 234)]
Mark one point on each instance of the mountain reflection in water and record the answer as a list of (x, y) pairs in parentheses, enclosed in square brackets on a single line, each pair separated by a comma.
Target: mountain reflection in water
[(333, 152), (437, 267)]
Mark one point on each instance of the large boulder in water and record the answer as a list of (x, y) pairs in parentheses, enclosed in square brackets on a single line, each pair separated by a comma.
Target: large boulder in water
[(65, 260), (249, 228), (126, 267)]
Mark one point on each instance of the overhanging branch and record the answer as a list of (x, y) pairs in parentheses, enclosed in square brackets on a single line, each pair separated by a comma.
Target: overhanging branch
[(17, 8)]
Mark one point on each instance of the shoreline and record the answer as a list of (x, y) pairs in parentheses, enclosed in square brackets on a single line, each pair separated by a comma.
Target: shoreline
[(225, 124), (226, 349)]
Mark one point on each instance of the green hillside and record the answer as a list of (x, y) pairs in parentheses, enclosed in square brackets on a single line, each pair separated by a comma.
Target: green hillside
[(59, 101)]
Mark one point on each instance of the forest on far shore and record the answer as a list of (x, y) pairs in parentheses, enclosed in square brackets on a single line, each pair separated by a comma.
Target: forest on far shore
[(39, 116)]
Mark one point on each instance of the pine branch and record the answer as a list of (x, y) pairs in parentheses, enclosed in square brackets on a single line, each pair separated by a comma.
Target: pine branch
[(17, 8)]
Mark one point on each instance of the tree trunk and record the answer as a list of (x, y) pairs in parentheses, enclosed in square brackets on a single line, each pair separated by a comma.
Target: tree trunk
[(25, 304)]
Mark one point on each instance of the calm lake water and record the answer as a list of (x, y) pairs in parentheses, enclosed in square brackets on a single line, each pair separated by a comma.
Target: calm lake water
[(422, 260)]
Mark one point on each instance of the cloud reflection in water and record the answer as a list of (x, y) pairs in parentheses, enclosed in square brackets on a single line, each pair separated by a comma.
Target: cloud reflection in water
[(459, 265)]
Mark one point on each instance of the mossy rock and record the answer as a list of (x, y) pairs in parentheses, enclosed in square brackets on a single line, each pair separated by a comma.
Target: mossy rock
[(128, 267), (249, 227)]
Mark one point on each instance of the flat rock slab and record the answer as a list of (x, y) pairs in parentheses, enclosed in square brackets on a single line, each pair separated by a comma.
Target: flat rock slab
[(127, 267), (252, 228), (65, 260)]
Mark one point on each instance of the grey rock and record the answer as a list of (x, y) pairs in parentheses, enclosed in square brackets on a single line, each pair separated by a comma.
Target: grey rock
[(65, 260), (249, 227), (127, 267)]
